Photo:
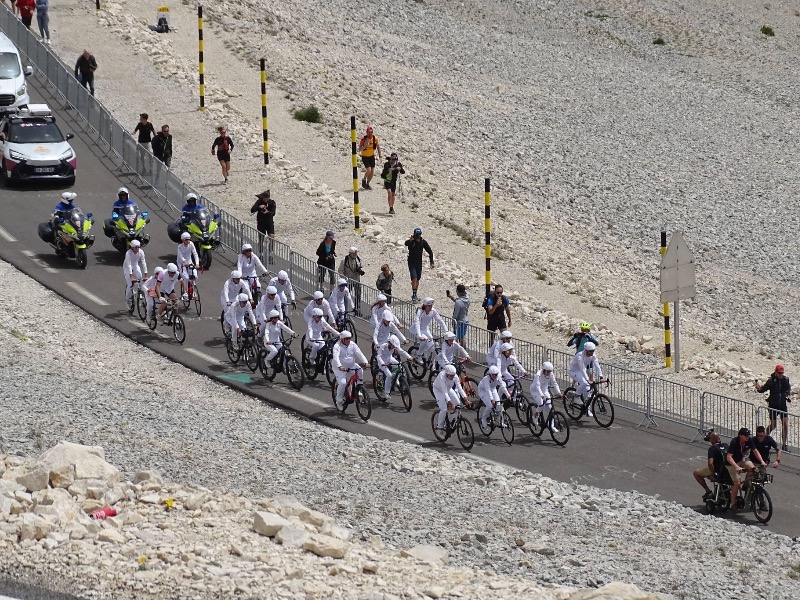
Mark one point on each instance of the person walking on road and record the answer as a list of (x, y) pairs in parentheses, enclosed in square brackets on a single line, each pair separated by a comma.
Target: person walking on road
[(369, 146), (264, 209), (498, 309), (779, 389), (351, 267), (392, 170), (416, 246), (162, 145), (326, 260), (43, 20), (222, 147), (84, 70), (460, 313)]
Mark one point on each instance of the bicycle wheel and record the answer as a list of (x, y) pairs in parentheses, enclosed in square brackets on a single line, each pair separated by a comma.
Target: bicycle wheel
[(363, 404), (152, 319), (265, 366), (373, 366), (329, 374), (131, 302), (471, 390), (294, 373), (378, 380), (233, 352), (762, 505), (198, 307), (418, 369), (333, 399), (535, 422), (487, 431), (309, 367), (521, 406), (558, 425), (405, 392), (141, 305), (573, 404), (286, 338), (348, 325), (465, 435), (226, 328), (439, 434), (251, 357), (507, 428), (188, 301), (178, 328), (603, 410)]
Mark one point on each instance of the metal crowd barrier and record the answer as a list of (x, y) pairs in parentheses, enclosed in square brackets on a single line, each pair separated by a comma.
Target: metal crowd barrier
[(656, 397)]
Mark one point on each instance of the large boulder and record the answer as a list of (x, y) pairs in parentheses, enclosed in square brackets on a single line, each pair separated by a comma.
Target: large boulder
[(267, 523), (326, 546), (433, 555), (289, 506), (89, 462), (615, 590), (32, 477)]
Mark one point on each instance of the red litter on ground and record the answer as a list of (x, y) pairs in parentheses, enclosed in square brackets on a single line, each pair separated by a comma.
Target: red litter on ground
[(104, 513)]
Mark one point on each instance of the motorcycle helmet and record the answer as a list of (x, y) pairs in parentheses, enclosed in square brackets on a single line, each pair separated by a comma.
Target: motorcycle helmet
[(273, 314), (246, 247), (68, 197), (236, 274), (242, 298), (450, 370), (283, 276), (186, 235), (317, 312), (190, 197), (590, 346), (123, 191), (272, 290), (318, 295), (172, 268)]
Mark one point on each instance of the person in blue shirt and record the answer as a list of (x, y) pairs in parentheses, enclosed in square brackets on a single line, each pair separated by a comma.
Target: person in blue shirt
[(66, 205), (190, 207), (580, 338), (123, 199)]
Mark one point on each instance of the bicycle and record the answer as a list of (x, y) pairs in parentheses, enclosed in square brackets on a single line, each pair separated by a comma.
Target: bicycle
[(137, 301), (751, 493), (245, 346), (420, 368), (283, 362), (286, 337), (344, 322), (399, 379), (498, 417), (255, 289), (518, 399), (556, 423), (600, 405), (192, 291), (468, 384), (323, 361), (171, 318), (459, 425), (355, 392)]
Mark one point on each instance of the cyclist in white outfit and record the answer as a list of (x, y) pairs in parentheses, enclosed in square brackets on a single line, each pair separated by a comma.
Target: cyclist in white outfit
[(187, 257), (377, 310), (151, 287), (317, 327), (421, 327), (166, 286), (448, 393), (272, 334), (341, 300), (452, 352), (509, 359), (284, 287), (134, 268), (238, 312), (249, 264), (542, 383), (493, 354), (346, 355), (386, 328), (318, 301), (269, 301), (232, 288), (390, 353), (489, 390), (585, 369)]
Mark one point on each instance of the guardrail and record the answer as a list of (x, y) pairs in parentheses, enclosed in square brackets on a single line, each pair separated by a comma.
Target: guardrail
[(653, 396)]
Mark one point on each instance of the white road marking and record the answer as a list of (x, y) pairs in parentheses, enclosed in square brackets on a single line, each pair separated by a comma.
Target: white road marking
[(155, 331), (32, 255), (204, 356), (7, 236), (86, 293)]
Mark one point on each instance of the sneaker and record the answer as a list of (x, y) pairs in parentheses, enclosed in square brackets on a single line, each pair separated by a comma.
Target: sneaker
[(185, 296), (364, 182), (414, 298), (367, 186), (589, 412), (391, 210), (708, 496), (339, 404), (387, 397)]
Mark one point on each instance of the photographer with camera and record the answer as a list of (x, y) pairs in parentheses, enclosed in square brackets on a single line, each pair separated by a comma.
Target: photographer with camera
[(392, 169), (350, 267)]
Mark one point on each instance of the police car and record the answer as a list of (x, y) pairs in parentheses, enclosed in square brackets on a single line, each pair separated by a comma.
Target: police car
[(33, 146)]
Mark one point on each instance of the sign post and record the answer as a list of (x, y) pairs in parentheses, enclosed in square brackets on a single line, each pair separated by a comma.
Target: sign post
[(677, 282)]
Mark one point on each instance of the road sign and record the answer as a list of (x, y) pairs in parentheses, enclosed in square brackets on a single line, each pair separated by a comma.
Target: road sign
[(677, 271)]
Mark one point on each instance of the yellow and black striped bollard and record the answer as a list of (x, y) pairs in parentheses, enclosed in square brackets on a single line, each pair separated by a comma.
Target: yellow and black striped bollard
[(487, 230), (354, 161), (264, 110), (200, 58), (667, 336)]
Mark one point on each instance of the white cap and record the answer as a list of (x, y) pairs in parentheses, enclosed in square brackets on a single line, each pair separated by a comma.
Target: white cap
[(547, 366), (394, 340), (506, 334), (494, 370), (283, 275), (380, 298), (450, 370), (387, 315), (136, 244), (449, 335), (427, 301), (271, 289), (273, 313), (345, 335), (246, 247), (506, 347), (242, 298), (186, 235), (318, 295), (342, 281), (353, 249), (158, 270), (236, 274), (317, 312), (589, 346), (172, 268)]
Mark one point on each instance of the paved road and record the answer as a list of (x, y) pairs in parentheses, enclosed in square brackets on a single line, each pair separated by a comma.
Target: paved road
[(626, 457)]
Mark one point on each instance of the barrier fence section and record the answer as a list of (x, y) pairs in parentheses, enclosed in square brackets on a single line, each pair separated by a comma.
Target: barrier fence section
[(654, 396)]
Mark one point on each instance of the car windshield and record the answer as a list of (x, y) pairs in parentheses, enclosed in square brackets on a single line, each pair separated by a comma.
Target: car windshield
[(9, 65), (35, 132)]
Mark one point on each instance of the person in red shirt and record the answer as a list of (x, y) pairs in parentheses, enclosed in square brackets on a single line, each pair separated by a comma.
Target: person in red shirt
[(26, 9)]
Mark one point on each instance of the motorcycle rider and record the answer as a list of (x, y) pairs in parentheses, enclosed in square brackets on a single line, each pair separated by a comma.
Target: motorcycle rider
[(192, 205), (238, 312), (272, 334), (134, 268), (232, 288), (318, 301), (187, 257), (63, 208), (317, 326), (123, 200), (249, 264), (346, 355), (390, 353)]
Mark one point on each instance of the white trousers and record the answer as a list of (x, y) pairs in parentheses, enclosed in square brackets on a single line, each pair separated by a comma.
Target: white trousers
[(441, 400)]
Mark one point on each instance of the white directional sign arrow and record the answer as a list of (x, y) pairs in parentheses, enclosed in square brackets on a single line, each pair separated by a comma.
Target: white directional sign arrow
[(677, 271)]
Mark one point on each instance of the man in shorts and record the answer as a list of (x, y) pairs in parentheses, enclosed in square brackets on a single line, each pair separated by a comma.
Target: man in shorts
[(390, 174), (416, 246), (739, 460), (369, 146), (779, 389), (713, 466)]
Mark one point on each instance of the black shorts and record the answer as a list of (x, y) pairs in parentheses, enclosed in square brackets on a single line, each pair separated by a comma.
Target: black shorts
[(223, 156), (369, 162), (776, 413), (390, 185)]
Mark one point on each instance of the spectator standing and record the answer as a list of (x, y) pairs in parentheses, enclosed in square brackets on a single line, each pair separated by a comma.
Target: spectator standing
[(84, 70), (264, 209), (222, 147), (392, 170), (369, 146), (779, 389), (326, 260), (145, 129), (416, 246), (460, 313), (498, 310), (43, 19), (384, 282), (351, 268), (26, 8), (162, 145)]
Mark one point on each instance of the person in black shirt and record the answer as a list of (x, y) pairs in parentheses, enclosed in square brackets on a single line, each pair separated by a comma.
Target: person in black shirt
[(222, 147), (392, 170), (145, 129), (739, 452), (764, 442), (84, 70), (779, 389), (264, 209), (162, 145), (416, 246), (714, 464), (326, 259)]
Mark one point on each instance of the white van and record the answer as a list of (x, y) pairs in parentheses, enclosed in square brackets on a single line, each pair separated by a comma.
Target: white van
[(13, 89)]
